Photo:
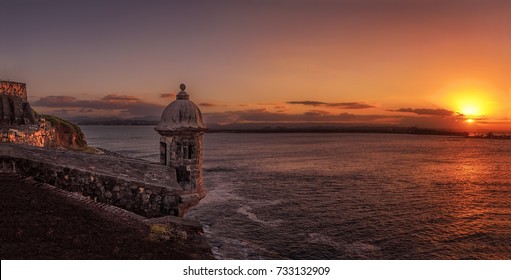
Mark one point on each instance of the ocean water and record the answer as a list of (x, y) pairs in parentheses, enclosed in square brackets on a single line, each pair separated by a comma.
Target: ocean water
[(344, 196)]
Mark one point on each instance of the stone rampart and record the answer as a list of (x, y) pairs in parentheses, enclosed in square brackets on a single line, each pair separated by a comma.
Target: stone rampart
[(146, 189), (38, 135), (14, 89), (14, 106)]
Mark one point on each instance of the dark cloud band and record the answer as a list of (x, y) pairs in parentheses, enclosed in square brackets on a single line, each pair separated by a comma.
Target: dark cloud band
[(341, 105), (130, 105), (428, 112)]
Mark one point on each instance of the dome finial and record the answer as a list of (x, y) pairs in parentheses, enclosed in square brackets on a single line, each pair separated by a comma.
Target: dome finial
[(182, 95)]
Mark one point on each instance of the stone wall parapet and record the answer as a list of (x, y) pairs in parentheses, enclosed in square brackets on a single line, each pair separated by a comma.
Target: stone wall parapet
[(14, 89), (141, 187)]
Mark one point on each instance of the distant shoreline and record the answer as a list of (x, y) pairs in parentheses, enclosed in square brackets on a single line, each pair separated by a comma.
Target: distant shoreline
[(271, 128), (367, 131), (315, 129)]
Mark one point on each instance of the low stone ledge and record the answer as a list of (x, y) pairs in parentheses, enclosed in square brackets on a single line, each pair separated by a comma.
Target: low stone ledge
[(146, 189)]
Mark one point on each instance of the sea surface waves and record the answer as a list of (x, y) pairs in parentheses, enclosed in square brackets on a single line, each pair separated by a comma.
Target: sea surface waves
[(344, 196)]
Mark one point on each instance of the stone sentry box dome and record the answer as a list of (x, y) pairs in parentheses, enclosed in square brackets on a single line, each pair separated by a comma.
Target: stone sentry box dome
[(182, 128)]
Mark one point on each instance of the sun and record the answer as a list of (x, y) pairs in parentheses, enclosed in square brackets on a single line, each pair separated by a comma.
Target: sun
[(469, 109), (472, 108), (471, 100), (472, 104)]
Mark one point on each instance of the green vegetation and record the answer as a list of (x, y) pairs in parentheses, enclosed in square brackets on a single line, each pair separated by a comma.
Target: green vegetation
[(69, 135), (158, 229), (167, 232), (91, 150)]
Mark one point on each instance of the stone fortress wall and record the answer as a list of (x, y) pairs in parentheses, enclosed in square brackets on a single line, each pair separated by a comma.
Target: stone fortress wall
[(14, 106), (42, 135), (146, 189), (18, 123), (14, 89)]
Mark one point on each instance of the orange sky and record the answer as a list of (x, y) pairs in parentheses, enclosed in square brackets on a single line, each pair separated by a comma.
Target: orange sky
[(427, 63)]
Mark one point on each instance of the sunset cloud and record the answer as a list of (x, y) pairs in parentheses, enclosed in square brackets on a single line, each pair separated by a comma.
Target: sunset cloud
[(167, 95), (428, 112), (341, 105), (120, 98), (55, 101), (206, 104), (129, 106), (263, 115), (308, 103)]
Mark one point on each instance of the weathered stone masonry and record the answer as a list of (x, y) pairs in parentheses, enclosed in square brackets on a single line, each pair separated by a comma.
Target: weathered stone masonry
[(17, 119), (14, 106), (18, 123), (182, 128), (41, 135), (147, 189)]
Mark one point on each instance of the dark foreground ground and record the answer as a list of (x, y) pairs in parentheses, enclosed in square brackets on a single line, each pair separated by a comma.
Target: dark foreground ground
[(36, 223)]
